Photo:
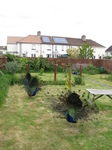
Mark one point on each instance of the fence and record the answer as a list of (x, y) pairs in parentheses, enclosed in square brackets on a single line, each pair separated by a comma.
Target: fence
[(3, 61), (106, 64)]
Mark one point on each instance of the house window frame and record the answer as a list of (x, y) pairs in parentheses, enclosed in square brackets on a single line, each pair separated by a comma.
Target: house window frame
[(62, 47), (33, 46), (55, 47)]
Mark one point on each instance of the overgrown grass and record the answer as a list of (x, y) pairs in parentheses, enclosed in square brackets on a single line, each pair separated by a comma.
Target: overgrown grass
[(4, 85), (31, 123)]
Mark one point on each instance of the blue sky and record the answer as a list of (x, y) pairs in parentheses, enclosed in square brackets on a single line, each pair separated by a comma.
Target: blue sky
[(70, 18)]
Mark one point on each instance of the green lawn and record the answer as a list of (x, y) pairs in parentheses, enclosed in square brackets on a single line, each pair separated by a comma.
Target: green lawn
[(31, 123)]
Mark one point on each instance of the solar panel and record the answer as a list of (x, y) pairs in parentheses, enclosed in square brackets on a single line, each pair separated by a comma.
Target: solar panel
[(45, 39), (60, 40)]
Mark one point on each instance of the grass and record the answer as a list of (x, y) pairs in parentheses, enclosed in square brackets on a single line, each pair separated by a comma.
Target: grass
[(4, 84), (30, 122)]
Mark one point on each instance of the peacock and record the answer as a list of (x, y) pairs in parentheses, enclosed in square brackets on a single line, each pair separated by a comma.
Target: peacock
[(31, 85), (69, 118)]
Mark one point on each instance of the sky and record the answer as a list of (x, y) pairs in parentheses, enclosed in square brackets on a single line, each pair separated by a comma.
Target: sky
[(66, 18)]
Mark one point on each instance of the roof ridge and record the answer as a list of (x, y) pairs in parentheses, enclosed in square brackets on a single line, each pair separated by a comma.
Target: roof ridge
[(23, 38)]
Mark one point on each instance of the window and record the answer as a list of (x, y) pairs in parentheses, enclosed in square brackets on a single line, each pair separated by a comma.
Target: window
[(62, 48), (1, 52), (33, 55), (48, 55), (49, 47), (24, 55), (55, 47), (33, 47)]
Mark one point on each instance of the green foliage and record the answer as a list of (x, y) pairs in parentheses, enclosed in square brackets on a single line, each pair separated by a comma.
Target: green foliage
[(79, 80), (11, 57), (73, 52), (16, 79), (92, 70), (41, 71), (86, 51), (12, 67), (38, 63), (107, 57)]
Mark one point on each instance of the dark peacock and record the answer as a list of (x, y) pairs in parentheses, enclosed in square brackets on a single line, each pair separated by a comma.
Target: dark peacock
[(74, 107), (31, 85)]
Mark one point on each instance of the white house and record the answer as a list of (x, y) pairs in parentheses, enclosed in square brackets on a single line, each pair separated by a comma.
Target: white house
[(48, 46), (109, 51)]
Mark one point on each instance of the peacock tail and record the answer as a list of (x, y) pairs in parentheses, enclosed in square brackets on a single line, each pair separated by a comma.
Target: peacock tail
[(31, 85)]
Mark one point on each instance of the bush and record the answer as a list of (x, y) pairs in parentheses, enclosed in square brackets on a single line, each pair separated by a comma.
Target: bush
[(16, 79), (79, 80), (13, 67)]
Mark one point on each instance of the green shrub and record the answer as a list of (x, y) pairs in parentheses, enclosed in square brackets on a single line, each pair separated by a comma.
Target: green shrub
[(41, 71), (13, 67), (12, 57), (16, 79), (79, 80)]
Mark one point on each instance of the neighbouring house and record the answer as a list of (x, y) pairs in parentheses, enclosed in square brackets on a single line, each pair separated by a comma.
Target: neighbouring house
[(108, 52), (49, 46), (2, 50)]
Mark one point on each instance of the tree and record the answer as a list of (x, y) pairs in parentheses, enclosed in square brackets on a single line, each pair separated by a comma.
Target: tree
[(73, 52), (86, 51)]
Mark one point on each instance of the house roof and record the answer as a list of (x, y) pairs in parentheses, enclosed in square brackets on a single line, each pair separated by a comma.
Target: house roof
[(109, 49), (39, 40), (31, 39), (13, 39), (79, 42)]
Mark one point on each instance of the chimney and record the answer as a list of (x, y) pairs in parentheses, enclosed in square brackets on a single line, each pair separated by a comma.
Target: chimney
[(83, 37), (39, 33)]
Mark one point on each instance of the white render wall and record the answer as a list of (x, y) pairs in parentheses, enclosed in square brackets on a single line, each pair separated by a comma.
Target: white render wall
[(53, 50), (11, 48), (44, 50), (29, 49), (99, 52)]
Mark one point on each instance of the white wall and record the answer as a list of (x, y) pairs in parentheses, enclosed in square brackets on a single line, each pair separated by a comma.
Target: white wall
[(29, 50), (109, 53), (46, 50), (61, 49), (11, 48), (99, 52)]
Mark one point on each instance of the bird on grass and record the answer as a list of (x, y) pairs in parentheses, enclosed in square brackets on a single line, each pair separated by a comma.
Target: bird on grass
[(31, 85), (69, 118)]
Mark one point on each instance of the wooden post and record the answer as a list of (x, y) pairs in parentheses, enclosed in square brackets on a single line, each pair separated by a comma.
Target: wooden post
[(27, 69), (54, 72), (80, 70), (5, 60)]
